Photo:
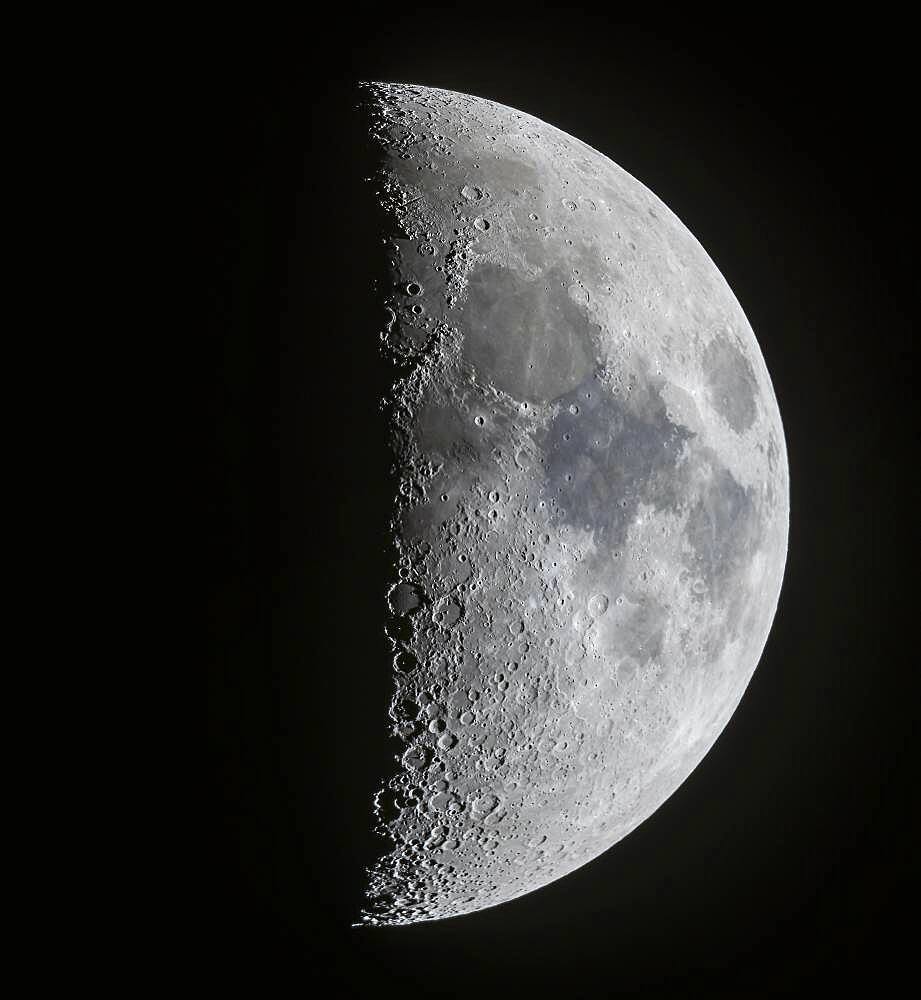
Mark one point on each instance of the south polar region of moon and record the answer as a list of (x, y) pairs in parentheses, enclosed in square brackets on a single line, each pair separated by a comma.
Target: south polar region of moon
[(591, 508)]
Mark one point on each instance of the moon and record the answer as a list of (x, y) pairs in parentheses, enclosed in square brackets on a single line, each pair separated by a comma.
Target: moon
[(590, 511)]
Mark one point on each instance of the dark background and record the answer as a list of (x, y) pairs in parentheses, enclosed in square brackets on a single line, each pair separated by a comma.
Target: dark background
[(785, 859)]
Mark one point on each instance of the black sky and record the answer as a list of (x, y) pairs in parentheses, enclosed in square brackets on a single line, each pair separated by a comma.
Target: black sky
[(785, 859)]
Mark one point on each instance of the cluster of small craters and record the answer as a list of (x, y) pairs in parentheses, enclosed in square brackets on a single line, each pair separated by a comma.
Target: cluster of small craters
[(575, 605)]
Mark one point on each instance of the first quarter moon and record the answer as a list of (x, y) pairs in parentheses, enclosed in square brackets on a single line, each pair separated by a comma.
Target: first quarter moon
[(591, 504)]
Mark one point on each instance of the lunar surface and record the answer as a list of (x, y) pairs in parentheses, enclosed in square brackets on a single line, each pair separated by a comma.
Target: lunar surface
[(591, 504)]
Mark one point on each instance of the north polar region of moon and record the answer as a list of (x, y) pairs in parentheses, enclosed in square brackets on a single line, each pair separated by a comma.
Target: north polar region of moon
[(590, 523)]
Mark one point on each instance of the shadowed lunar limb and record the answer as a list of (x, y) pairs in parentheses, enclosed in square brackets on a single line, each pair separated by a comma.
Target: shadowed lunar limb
[(590, 524)]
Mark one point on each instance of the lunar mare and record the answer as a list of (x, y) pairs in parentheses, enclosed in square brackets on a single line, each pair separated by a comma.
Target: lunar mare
[(591, 513)]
